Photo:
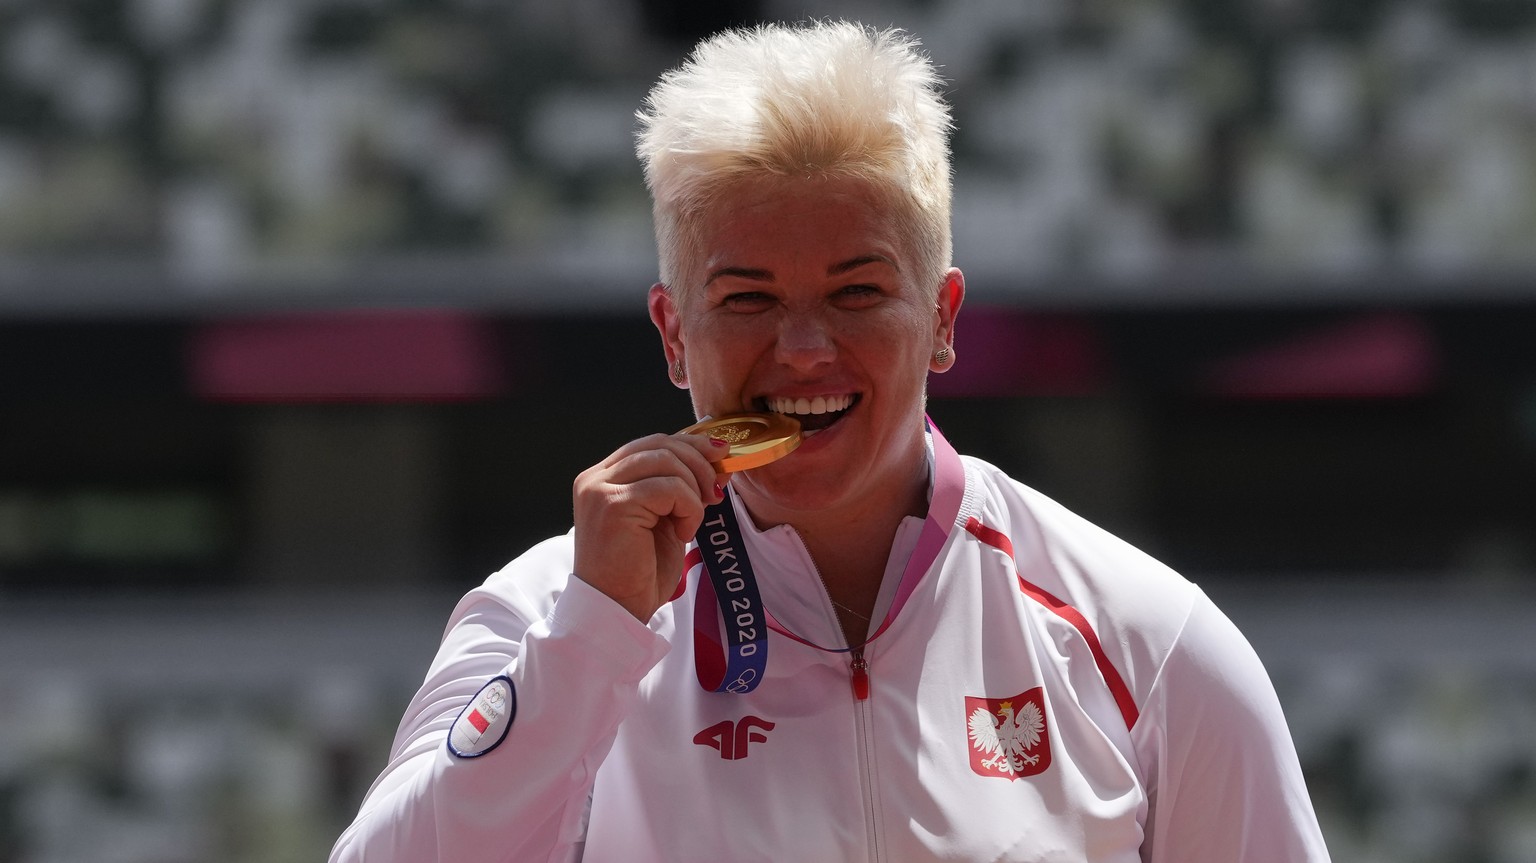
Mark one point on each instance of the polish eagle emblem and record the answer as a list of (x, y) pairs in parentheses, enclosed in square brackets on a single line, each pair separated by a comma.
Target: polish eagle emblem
[(1008, 736)]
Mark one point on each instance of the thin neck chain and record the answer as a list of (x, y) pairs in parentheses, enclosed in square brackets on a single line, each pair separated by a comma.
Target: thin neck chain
[(857, 650), (849, 610)]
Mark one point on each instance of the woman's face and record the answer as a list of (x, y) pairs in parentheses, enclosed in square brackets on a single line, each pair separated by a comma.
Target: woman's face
[(808, 302)]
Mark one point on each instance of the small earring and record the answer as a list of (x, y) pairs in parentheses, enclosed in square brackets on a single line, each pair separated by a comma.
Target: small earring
[(678, 376), (941, 356)]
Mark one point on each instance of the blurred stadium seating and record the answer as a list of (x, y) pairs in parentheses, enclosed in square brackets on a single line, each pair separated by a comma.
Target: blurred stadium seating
[(178, 152)]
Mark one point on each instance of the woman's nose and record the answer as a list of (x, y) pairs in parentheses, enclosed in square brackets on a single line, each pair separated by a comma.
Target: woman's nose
[(804, 340)]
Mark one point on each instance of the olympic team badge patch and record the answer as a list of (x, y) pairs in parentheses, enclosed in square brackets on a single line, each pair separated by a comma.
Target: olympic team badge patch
[(483, 724), (1010, 737)]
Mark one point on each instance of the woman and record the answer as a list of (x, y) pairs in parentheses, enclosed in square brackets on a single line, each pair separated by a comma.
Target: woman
[(877, 649)]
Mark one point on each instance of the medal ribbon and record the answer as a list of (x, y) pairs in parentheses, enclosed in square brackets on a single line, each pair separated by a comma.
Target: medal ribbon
[(715, 662), (732, 588)]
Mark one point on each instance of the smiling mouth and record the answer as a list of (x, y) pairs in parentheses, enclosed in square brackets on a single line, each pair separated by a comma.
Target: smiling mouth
[(813, 414)]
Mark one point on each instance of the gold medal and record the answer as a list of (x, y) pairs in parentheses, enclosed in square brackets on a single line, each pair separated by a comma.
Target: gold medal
[(755, 439)]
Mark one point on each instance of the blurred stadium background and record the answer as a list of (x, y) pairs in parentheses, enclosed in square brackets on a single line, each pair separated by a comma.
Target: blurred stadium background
[(311, 309)]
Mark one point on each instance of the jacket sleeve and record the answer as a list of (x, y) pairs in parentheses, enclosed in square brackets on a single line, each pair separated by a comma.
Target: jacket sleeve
[(575, 673), (1223, 780)]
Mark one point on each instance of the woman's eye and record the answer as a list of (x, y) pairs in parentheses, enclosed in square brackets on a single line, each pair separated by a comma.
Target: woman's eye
[(859, 292), (746, 301)]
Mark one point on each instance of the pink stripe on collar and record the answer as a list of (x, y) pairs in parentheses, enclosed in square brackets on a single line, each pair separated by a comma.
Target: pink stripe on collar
[(943, 515)]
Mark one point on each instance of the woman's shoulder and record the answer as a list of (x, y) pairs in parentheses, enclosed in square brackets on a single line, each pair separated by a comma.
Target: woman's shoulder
[(531, 582), (1135, 603), (1046, 525)]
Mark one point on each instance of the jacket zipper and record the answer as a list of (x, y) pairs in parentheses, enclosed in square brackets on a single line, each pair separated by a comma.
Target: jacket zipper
[(863, 728), (860, 666), (860, 671), (865, 739)]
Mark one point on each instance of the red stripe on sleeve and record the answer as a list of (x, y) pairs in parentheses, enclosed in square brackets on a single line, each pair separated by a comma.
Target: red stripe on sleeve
[(1107, 670)]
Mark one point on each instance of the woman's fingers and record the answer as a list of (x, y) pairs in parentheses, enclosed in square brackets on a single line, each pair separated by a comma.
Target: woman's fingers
[(636, 509)]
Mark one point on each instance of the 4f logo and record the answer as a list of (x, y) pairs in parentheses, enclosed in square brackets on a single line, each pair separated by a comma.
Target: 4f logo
[(733, 738)]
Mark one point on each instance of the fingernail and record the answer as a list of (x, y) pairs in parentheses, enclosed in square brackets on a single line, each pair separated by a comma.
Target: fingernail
[(714, 441), (719, 492)]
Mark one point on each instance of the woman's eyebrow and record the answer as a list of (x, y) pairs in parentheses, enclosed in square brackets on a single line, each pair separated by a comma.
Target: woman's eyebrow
[(749, 273), (761, 275), (854, 263)]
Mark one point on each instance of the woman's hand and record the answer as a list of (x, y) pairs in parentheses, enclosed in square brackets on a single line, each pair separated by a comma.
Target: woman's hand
[(636, 510)]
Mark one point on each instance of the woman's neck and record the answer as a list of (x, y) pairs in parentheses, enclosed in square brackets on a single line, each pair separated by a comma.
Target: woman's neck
[(851, 543)]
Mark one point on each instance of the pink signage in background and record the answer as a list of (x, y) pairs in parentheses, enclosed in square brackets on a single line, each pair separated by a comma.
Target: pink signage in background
[(404, 355)]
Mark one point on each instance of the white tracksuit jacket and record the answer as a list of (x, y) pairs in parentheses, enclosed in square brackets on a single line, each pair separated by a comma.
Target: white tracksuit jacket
[(1143, 726)]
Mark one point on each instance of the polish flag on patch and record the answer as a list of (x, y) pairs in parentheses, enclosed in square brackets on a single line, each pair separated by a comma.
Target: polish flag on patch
[(483, 723)]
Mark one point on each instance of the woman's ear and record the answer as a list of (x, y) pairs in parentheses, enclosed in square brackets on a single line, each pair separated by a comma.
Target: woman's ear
[(664, 314), (946, 310)]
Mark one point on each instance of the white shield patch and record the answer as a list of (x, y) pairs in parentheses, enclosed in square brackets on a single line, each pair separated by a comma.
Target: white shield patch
[(483, 724)]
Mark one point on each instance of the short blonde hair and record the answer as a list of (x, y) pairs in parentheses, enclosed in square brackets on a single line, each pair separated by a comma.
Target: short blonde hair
[(832, 99)]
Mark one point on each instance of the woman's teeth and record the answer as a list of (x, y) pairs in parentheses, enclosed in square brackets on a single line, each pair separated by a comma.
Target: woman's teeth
[(812, 406), (814, 414)]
